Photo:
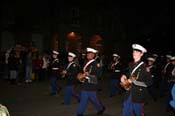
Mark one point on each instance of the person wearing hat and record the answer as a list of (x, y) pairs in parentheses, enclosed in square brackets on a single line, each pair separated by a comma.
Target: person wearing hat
[(138, 79), (166, 75), (82, 59), (90, 84), (70, 73), (4, 110), (54, 68), (152, 69), (155, 56), (115, 68)]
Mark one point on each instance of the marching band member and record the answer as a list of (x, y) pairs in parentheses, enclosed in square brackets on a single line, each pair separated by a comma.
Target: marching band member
[(166, 76), (90, 84), (54, 68), (140, 79), (70, 74), (116, 70), (152, 69)]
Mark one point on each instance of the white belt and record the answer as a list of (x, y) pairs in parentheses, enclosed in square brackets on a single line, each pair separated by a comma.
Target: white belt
[(117, 71), (138, 83), (55, 68)]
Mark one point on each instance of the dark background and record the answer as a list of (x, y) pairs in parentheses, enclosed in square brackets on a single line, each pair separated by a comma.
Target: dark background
[(148, 23)]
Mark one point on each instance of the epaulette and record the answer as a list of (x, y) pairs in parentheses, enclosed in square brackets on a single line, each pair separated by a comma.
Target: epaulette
[(98, 65), (74, 65), (56, 60)]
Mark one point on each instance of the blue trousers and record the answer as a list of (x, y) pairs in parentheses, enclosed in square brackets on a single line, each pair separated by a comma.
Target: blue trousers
[(70, 91), (114, 83), (53, 84), (88, 95), (129, 108), (163, 87), (172, 102)]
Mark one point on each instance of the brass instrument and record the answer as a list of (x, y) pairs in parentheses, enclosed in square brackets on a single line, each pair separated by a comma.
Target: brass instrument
[(82, 76), (63, 73), (126, 84)]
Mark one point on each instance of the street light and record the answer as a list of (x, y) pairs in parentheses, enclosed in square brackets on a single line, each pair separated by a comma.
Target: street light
[(71, 35)]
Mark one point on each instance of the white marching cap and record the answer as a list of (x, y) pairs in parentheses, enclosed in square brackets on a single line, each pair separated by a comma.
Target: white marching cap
[(71, 54), (115, 55), (155, 55), (172, 58), (151, 59), (139, 48), (55, 52), (91, 50), (168, 56)]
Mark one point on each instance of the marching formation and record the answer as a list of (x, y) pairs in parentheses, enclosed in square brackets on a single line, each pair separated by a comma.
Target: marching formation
[(136, 81)]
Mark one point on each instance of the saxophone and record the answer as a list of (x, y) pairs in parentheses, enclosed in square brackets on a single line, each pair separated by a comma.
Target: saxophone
[(82, 76), (127, 83)]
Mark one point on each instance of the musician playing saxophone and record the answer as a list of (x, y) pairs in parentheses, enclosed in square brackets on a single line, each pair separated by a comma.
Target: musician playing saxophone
[(90, 84), (135, 97)]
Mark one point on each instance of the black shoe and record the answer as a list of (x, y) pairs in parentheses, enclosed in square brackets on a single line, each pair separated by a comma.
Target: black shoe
[(65, 103), (78, 101), (101, 112), (80, 115), (59, 90)]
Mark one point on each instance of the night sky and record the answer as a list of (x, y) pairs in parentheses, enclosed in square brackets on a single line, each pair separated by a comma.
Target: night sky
[(152, 21)]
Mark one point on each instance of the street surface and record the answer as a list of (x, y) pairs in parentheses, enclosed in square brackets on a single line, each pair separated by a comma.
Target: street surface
[(34, 100)]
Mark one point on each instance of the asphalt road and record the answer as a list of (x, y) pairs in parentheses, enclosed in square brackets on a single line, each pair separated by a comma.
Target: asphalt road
[(34, 100)]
